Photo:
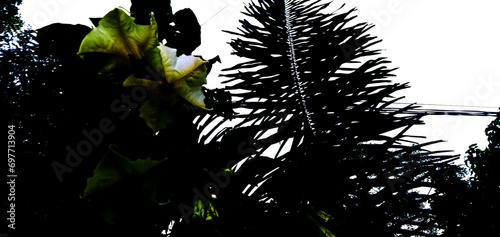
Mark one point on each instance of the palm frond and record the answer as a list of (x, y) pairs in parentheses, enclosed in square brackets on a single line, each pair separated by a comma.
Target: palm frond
[(313, 91)]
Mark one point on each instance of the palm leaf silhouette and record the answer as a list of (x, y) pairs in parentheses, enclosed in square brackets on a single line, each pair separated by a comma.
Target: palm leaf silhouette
[(315, 95)]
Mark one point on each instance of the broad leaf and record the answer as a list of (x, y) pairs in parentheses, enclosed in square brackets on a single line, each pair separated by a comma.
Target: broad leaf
[(133, 47), (187, 73), (184, 75), (113, 168), (118, 34)]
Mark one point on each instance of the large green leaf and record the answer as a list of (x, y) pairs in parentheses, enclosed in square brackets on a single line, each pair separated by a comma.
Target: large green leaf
[(132, 47), (187, 73), (184, 75), (118, 34)]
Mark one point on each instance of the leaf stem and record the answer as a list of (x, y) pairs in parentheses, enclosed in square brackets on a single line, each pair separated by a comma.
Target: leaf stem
[(295, 68)]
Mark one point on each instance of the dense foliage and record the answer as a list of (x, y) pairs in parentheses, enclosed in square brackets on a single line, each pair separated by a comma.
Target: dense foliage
[(484, 186), (9, 17), (298, 143)]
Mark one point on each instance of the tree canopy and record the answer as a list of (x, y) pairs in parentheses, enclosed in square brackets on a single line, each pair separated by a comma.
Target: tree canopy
[(9, 16), (118, 136)]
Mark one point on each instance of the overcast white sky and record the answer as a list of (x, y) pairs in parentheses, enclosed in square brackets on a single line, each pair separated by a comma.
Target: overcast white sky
[(448, 49)]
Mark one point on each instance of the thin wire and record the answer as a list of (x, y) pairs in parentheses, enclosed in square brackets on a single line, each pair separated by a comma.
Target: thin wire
[(217, 13), (444, 112), (443, 105)]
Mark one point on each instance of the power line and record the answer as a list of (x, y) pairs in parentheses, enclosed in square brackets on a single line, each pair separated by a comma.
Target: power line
[(443, 112), (444, 105), (217, 13), (448, 112)]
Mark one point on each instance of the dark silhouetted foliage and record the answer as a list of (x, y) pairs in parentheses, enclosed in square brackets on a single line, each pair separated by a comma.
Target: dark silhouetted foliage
[(304, 116), (483, 201), (9, 16), (313, 89), (181, 30)]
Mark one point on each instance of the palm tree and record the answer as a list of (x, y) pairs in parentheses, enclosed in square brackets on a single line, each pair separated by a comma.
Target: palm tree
[(312, 130)]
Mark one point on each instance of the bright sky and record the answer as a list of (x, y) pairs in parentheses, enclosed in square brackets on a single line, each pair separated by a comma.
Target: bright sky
[(446, 49)]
